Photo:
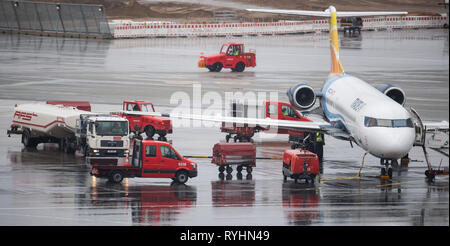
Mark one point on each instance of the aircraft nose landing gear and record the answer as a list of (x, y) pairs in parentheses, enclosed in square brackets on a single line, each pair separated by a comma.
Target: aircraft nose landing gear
[(387, 171)]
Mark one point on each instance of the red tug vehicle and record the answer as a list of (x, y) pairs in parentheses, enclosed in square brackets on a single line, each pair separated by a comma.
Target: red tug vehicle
[(149, 159), (232, 56), (149, 124)]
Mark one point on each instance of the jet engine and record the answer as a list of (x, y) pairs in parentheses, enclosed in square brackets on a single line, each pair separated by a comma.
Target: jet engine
[(392, 91), (301, 96)]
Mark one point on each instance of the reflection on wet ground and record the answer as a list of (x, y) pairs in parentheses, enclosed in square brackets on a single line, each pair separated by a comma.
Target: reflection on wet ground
[(47, 187)]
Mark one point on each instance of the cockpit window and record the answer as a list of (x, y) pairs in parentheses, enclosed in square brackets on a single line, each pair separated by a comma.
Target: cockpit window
[(373, 122)]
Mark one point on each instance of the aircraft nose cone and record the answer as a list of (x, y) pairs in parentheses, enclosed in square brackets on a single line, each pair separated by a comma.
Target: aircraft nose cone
[(396, 144)]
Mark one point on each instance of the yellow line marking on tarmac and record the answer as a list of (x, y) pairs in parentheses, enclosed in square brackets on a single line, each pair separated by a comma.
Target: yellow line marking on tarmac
[(181, 82), (233, 83)]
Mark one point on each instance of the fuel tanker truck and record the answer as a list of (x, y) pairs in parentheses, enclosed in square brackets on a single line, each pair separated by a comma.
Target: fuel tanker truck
[(94, 135)]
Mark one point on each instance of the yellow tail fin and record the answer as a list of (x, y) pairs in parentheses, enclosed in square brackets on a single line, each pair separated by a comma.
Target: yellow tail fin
[(336, 66)]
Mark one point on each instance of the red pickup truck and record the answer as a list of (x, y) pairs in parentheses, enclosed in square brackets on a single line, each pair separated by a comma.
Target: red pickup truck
[(146, 123), (149, 159), (232, 55)]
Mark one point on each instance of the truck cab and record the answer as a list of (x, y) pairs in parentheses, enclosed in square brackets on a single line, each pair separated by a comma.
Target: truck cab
[(149, 159), (282, 111), (231, 55), (149, 124), (102, 135)]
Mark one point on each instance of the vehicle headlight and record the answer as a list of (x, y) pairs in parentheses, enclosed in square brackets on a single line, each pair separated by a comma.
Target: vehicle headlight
[(194, 165), (95, 150)]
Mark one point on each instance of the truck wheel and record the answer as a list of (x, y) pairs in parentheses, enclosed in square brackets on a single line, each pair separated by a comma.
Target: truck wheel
[(149, 131), (217, 67), (27, 140), (240, 67), (116, 177), (181, 177)]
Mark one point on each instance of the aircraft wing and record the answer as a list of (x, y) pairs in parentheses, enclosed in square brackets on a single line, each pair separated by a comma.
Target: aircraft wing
[(266, 123), (326, 13)]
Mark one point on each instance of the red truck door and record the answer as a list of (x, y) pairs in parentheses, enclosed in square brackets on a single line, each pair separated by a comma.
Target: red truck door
[(151, 160), (159, 161), (169, 161), (233, 54)]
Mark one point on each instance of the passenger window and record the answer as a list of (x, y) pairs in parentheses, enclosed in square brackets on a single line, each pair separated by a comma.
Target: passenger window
[(168, 152), (150, 151), (273, 109)]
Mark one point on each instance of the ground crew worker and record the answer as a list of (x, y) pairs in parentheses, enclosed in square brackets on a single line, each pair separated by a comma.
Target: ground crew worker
[(318, 145)]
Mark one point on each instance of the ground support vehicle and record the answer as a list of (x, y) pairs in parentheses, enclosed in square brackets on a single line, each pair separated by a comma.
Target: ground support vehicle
[(148, 159), (242, 132), (149, 124), (242, 155), (300, 164), (351, 24), (71, 128), (232, 55), (101, 135), (270, 109)]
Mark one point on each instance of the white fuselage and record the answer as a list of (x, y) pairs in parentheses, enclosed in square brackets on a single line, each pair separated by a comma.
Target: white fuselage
[(376, 123)]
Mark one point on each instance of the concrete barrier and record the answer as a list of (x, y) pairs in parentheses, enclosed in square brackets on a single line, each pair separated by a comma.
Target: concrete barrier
[(130, 29)]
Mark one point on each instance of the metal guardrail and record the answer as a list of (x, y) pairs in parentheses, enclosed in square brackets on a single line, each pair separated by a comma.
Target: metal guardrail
[(60, 19)]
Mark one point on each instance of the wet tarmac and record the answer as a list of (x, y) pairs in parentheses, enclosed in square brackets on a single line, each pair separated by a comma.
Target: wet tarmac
[(47, 187)]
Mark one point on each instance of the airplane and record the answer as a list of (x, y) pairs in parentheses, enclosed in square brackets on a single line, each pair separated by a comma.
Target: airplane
[(372, 116)]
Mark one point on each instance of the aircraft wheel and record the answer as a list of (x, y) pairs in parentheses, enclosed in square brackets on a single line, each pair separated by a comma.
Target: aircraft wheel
[(383, 171), (390, 172)]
